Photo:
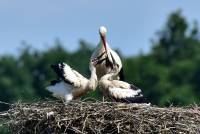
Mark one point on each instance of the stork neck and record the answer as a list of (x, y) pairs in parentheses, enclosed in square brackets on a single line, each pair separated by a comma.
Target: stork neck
[(93, 81), (93, 74)]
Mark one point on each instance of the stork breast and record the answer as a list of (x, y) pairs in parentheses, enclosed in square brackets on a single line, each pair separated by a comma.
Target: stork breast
[(101, 70)]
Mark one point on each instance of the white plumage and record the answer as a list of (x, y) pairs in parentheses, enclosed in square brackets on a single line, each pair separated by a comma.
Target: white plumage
[(72, 84), (106, 57), (68, 73), (120, 91), (61, 90)]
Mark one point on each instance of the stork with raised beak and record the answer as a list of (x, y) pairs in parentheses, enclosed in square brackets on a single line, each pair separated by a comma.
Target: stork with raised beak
[(106, 57), (72, 85)]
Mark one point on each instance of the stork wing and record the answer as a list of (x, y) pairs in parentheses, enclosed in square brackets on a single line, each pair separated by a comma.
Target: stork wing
[(65, 72), (121, 74), (127, 95), (121, 84), (120, 93), (80, 76), (116, 58)]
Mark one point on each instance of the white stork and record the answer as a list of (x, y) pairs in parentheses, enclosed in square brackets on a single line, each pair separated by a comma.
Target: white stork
[(72, 84), (120, 91), (106, 57)]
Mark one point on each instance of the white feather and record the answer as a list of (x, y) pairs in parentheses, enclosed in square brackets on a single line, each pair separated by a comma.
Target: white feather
[(60, 90), (69, 74), (120, 93), (68, 97), (80, 86)]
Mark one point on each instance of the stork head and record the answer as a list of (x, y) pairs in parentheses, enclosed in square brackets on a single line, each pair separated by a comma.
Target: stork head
[(102, 32), (92, 64)]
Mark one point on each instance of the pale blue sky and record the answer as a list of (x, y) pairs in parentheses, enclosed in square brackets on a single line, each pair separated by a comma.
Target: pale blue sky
[(130, 23)]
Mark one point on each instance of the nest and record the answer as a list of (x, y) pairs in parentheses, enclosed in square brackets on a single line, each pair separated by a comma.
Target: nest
[(100, 117)]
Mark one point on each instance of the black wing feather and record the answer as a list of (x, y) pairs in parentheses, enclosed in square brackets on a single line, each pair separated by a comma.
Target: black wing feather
[(136, 99), (134, 87), (54, 82), (121, 75), (139, 98), (59, 69)]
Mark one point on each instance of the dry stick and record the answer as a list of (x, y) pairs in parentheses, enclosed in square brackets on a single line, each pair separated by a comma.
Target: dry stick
[(104, 117), (77, 130), (85, 122), (118, 127)]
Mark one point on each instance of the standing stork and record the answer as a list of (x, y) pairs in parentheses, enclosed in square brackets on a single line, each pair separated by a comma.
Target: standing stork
[(120, 91), (106, 57), (72, 84)]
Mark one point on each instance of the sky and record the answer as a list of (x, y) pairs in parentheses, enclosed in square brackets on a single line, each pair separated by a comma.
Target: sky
[(131, 24)]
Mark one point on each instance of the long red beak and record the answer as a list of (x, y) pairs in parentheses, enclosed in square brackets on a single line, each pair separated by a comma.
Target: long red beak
[(104, 42)]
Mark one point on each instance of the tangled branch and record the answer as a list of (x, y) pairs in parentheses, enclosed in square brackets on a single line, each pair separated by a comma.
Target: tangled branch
[(100, 117)]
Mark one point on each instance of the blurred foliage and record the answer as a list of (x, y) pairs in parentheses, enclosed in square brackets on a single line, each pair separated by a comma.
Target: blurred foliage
[(169, 74), (4, 129)]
